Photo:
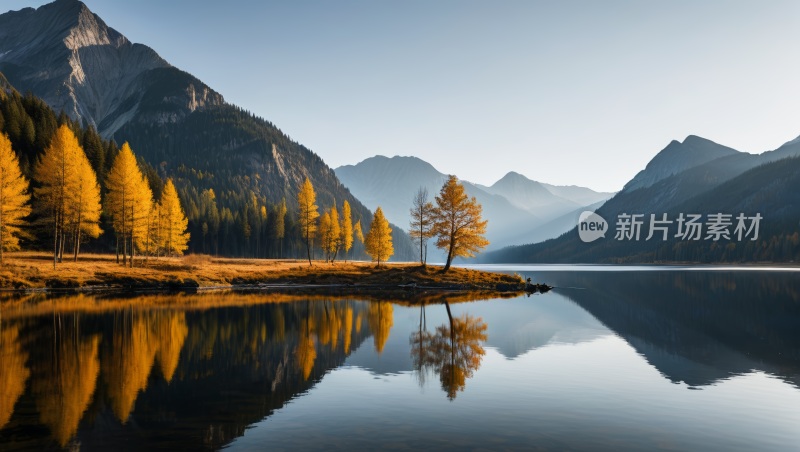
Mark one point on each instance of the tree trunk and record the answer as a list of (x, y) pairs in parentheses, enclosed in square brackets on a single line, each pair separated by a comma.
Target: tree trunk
[(308, 248), (55, 240), (449, 256), (61, 247), (77, 243)]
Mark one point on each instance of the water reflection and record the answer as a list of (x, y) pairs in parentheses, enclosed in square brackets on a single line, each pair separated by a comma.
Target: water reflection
[(453, 352), (144, 368), (194, 371)]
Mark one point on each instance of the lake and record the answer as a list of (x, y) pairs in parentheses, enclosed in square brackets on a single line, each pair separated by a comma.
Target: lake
[(611, 359)]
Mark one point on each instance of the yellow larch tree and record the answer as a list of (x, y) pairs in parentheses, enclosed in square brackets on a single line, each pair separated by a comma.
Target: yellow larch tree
[(280, 227), (176, 238), (357, 234), (83, 211), (457, 222), (13, 198), (334, 233), (308, 214), (379, 238), (346, 240), (323, 235), (57, 176), (129, 202)]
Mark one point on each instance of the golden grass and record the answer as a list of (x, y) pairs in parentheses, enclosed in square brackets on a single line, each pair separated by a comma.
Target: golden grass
[(32, 270)]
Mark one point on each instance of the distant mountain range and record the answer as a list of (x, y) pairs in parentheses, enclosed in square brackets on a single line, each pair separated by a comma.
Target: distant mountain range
[(67, 56), (515, 205), (697, 176)]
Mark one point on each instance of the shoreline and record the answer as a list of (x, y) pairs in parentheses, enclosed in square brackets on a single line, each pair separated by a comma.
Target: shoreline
[(33, 272)]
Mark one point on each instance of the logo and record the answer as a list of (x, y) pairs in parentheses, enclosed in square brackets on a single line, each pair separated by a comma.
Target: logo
[(591, 226)]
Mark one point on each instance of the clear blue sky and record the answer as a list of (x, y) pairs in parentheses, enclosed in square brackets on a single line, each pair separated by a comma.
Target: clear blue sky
[(564, 92)]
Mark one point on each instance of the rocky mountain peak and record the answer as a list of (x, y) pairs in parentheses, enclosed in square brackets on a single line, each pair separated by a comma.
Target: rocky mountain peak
[(69, 57)]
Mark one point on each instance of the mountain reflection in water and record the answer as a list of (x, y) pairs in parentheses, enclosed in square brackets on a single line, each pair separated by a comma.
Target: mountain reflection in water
[(194, 372)]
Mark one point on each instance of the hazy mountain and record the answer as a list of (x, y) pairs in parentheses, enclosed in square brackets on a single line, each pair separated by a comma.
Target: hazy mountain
[(531, 196), (552, 228), (678, 157), (70, 58), (580, 195), (391, 183), (766, 184)]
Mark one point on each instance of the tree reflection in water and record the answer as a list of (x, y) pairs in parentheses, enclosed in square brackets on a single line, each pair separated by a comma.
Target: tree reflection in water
[(454, 352)]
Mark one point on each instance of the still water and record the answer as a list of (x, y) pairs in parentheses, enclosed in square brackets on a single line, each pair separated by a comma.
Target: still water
[(622, 360)]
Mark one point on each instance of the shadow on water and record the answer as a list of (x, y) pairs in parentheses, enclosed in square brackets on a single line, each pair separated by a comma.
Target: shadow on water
[(697, 327)]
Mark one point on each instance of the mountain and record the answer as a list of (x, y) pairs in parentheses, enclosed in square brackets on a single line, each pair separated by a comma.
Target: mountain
[(580, 195), (392, 183), (68, 57), (765, 184), (531, 196), (678, 157), (552, 228)]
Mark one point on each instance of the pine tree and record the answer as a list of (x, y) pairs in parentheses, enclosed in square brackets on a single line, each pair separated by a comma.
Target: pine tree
[(308, 214), (379, 238), (13, 198), (176, 238), (346, 239)]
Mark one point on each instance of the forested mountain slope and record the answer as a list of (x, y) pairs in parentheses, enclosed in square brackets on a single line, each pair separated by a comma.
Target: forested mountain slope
[(67, 56)]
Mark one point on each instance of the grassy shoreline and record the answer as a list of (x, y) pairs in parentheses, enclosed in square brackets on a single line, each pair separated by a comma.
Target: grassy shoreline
[(99, 271)]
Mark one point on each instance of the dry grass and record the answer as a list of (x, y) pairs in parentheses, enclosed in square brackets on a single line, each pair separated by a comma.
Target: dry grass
[(30, 270)]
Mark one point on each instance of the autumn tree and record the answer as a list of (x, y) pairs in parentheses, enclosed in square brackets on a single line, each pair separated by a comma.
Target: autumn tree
[(421, 225), (175, 223), (334, 233), (357, 234), (379, 238), (84, 208), (279, 232), (457, 222), (308, 214), (323, 235), (56, 174), (129, 201), (346, 238), (13, 197)]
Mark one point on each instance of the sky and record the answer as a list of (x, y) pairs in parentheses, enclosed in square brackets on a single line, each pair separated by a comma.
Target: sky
[(564, 92)]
